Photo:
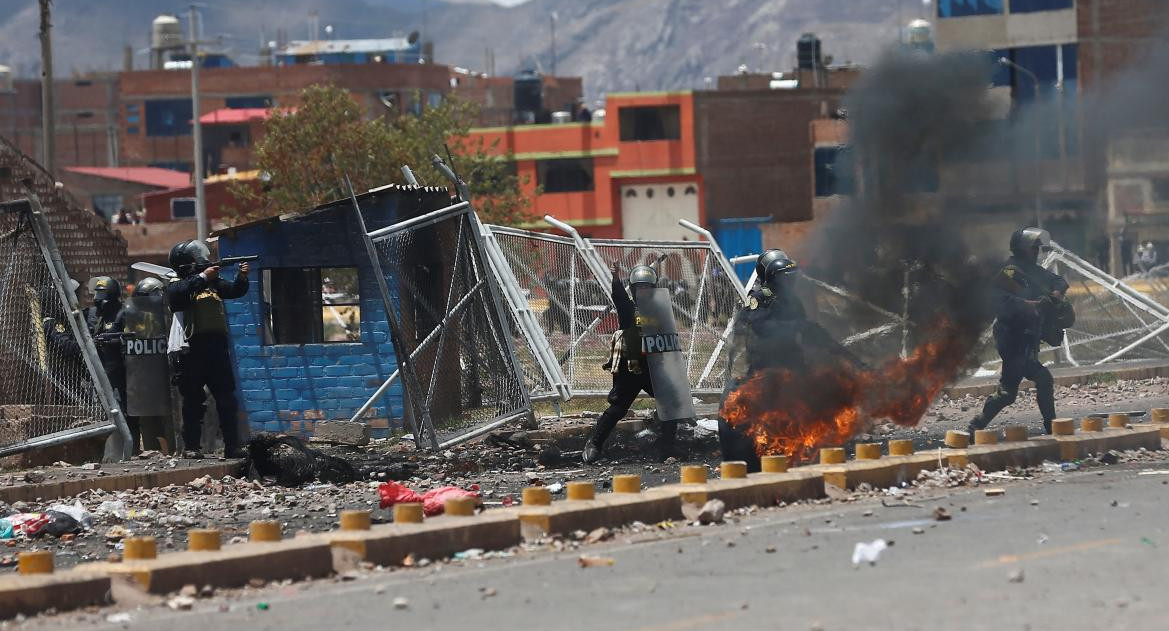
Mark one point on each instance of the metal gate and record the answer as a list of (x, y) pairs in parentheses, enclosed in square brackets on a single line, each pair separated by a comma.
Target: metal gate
[(52, 389), (449, 328)]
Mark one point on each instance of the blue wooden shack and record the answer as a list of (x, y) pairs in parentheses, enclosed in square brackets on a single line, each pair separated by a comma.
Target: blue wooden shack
[(310, 339)]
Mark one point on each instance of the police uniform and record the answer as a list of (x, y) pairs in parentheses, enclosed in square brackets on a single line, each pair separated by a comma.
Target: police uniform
[(1019, 328), (631, 375), (207, 360), (104, 320)]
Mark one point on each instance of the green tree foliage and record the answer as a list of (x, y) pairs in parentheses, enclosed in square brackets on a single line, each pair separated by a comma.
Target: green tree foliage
[(306, 153)]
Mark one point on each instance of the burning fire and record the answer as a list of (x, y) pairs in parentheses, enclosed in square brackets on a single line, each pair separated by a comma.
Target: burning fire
[(795, 413)]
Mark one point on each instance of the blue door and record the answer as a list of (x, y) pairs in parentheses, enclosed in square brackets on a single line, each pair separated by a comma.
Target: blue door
[(739, 236)]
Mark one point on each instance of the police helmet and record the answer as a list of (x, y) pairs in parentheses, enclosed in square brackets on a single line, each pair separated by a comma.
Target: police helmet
[(149, 287), (766, 258), (187, 254), (643, 275), (781, 267), (105, 289), (1027, 242)]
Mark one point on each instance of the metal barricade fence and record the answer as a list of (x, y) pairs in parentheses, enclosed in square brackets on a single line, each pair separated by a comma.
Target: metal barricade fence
[(1113, 320), (450, 329), (52, 386)]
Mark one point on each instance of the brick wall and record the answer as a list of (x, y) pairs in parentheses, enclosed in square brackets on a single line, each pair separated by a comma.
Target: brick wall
[(290, 387), (755, 151)]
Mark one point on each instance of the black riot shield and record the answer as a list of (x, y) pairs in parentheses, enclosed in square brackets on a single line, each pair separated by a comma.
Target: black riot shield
[(667, 365), (147, 371)]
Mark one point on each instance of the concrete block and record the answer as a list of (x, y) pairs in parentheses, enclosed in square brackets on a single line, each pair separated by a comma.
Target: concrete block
[(1014, 454), (832, 455), (901, 447), (1063, 427), (868, 451), (1015, 433), (232, 566), (1160, 415), (435, 539), (1091, 424), (757, 489), (1083, 445), (986, 437), (1119, 420), (882, 473), (957, 440), (343, 432), (63, 591), (773, 464), (610, 510)]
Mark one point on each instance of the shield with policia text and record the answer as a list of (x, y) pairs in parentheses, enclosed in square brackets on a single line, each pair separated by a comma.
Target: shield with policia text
[(663, 352), (147, 371)]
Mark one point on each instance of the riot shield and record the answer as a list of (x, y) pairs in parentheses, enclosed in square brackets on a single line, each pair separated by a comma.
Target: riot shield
[(662, 348), (147, 371)]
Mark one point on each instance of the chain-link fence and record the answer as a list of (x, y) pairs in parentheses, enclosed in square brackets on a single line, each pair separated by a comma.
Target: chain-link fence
[(1114, 321), (49, 381), (460, 367)]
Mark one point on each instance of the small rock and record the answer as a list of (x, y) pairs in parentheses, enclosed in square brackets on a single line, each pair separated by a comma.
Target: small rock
[(91, 466), (1016, 576), (867, 513), (488, 592), (257, 582), (598, 535), (768, 550), (941, 514), (207, 592), (995, 492), (181, 603), (1035, 502), (401, 603), (189, 590), (917, 530), (380, 589), (34, 477), (712, 512)]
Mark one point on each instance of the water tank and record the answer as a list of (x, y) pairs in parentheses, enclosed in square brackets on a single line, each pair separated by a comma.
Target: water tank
[(529, 92), (165, 32), (920, 32), (5, 79), (808, 56)]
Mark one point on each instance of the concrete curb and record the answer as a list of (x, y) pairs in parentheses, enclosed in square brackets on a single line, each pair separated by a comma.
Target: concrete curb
[(117, 482), (320, 555), (434, 539), (37, 593), (609, 510), (232, 566)]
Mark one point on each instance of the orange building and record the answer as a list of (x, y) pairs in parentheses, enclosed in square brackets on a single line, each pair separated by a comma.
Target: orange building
[(631, 175)]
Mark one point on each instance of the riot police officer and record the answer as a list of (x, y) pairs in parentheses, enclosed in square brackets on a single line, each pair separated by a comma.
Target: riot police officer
[(629, 366), (107, 328), (773, 331), (196, 298), (1030, 308), (148, 385)]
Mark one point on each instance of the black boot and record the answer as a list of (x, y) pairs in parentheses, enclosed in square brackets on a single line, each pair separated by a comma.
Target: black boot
[(591, 452)]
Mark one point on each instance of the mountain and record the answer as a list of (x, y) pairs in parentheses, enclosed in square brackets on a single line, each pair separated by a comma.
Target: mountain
[(616, 45)]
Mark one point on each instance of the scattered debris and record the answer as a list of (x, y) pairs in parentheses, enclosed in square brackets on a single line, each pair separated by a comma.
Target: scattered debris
[(598, 535), (917, 530), (868, 552), (592, 561), (433, 501), (941, 514), (401, 602), (1016, 576), (712, 512), (995, 492), (181, 603)]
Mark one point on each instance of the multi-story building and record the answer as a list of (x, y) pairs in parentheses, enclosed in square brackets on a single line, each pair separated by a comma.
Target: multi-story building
[(1072, 54), (86, 121)]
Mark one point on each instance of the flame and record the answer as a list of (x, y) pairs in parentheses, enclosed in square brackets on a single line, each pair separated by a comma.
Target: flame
[(795, 413)]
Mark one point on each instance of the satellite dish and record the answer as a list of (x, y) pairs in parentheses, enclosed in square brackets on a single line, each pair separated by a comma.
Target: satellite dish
[(413, 37)]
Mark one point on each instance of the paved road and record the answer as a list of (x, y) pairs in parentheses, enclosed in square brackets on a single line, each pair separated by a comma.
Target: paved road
[(1092, 548)]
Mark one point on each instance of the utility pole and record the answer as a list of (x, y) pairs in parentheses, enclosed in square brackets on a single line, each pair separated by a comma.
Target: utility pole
[(197, 129), (552, 19), (48, 110)]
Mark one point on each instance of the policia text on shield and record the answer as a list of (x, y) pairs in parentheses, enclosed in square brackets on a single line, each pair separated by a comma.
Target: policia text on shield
[(644, 355)]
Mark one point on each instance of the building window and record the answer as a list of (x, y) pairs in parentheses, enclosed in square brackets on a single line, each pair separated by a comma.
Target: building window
[(434, 99), (1161, 190), (132, 108), (133, 131), (565, 175), (107, 205), (247, 102), (833, 172), (168, 117), (132, 118), (650, 123), (963, 8), (312, 305), (1032, 6), (182, 208)]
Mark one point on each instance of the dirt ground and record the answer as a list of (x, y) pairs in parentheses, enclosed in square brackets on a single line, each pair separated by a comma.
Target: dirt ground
[(498, 467)]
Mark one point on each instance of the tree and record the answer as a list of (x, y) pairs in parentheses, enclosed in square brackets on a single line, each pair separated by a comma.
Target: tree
[(306, 153)]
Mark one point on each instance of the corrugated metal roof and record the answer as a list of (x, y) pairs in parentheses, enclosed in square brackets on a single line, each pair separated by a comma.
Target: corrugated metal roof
[(151, 176), (334, 46)]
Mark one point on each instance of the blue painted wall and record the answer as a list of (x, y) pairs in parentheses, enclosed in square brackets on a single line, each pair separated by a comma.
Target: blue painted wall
[(289, 387), (741, 236)]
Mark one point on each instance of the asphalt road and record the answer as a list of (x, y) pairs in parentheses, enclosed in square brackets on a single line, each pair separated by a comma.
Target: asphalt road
[(1091, 548)]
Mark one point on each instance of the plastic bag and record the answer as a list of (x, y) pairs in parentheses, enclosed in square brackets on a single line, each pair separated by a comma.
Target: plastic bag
[(868, 552), (76, 511), (27, 524), (59, 524), (432, 501)]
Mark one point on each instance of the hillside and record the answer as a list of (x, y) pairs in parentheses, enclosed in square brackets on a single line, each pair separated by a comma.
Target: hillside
[(614, 44)]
